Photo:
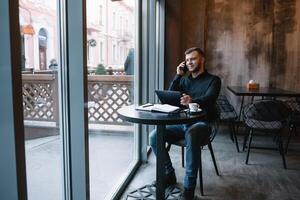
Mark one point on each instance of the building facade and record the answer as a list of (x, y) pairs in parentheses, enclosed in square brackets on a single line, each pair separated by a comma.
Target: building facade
[(110, 33)]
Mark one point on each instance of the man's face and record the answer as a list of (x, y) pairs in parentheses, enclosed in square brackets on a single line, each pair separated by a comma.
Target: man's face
[(193, 61)]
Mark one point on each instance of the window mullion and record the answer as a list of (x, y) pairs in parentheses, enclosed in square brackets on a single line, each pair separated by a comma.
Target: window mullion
[(12, 148), (75, 72)]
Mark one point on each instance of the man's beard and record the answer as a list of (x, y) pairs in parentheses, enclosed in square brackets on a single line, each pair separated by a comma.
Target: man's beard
[(195, 69)]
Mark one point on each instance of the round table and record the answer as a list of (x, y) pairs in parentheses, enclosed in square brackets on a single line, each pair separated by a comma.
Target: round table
[(130, 114)]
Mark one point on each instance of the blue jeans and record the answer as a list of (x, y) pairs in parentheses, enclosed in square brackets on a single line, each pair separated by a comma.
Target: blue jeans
[(177, 132)]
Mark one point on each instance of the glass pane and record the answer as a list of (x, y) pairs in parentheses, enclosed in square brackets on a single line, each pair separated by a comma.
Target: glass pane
[(110, 49), (40, 71)]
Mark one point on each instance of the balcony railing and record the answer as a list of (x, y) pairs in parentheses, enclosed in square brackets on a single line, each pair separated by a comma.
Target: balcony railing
[(40, 97), (106, 94)]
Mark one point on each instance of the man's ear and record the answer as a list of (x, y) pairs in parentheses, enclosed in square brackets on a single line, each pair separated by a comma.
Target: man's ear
[(202, 60)]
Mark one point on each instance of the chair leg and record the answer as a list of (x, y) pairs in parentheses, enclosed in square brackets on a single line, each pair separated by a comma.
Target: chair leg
[(213, 158), (249, 145), (235, 138), (246, 138), (289, 138), (182, 156), (200, 174), (231, 131), (281, 150)]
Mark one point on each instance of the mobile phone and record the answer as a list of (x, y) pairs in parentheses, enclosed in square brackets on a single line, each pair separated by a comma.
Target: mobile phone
[(184, 68)]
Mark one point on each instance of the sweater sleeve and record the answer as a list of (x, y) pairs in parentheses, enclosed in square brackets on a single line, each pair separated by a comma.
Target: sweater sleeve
[(176, 83), (211, 94)]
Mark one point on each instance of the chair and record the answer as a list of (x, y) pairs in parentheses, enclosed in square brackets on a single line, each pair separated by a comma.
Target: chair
[(205, 139), (266, 116), (294, 118), (228, 115)]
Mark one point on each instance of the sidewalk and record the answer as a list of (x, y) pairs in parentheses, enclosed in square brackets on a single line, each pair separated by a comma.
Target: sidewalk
[(109, 156)]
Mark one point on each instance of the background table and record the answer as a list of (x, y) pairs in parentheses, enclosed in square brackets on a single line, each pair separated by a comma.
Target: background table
[(130, 114), (261, 91)]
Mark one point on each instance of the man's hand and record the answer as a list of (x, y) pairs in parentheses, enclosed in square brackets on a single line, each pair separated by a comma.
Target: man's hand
[(180, 72), (185, 99)]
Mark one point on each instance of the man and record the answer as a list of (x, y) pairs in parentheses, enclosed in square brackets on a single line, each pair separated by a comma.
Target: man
[(198, 87), (53, 64), (129, 62), (129, 70)]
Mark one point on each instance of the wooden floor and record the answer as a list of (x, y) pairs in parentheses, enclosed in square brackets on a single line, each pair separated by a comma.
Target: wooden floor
[(263, 179)]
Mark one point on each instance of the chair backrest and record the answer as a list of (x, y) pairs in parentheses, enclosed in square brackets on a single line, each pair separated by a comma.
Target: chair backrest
[(293, 104), (225, 109), (266, 114)]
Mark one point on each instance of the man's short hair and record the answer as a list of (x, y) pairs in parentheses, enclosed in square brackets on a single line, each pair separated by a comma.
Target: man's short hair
[(190, 50)]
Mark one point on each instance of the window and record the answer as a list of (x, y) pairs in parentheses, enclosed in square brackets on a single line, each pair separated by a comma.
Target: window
[(111, 141), (121, 25), (126, 25), (41, 97), (121, 54), (114, 53), (100, 15), (89, 53), (101, 52), (43, 49), (54, 106), (114, 20)]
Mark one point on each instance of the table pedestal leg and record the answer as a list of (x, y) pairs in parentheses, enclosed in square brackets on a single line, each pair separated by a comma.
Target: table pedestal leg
[(160, 163), (158, 192)]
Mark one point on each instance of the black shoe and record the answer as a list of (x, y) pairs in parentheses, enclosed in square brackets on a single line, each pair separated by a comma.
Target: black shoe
[(188, 194), (170, 180)]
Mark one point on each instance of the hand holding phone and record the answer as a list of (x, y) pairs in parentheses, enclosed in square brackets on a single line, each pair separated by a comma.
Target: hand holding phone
[(182, 68)]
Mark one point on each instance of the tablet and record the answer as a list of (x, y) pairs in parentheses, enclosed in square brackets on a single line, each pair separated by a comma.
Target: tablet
[(169, 97)]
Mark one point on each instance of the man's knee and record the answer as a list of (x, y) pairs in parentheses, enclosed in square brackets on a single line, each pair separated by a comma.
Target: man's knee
[(200, 132), (200, 127)]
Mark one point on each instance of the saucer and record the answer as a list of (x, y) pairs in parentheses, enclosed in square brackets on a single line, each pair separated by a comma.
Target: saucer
[(196, 112)]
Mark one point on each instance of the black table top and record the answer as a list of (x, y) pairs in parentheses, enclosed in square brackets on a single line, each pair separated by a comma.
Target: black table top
[(262, 91), (130, 114)]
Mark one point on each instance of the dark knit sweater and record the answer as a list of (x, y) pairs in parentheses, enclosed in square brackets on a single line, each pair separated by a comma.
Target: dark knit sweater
[(204, 90)]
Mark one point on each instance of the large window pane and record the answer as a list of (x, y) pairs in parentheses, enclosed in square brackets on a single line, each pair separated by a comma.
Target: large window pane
[(110, 49), (40, 73)]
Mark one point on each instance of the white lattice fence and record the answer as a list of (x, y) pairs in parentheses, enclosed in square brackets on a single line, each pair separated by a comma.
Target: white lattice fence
[(40, 97), (108, 94)]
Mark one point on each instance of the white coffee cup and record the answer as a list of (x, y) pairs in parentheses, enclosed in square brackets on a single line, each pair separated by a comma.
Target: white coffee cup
[(193, 107)]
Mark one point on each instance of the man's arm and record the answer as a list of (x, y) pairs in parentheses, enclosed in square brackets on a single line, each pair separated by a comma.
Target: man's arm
[(211, 94), (175, 84)]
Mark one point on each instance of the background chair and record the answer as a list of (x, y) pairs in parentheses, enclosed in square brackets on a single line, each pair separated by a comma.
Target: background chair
[(266, 116), (294, 118), (205, 139), (228, 115)]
